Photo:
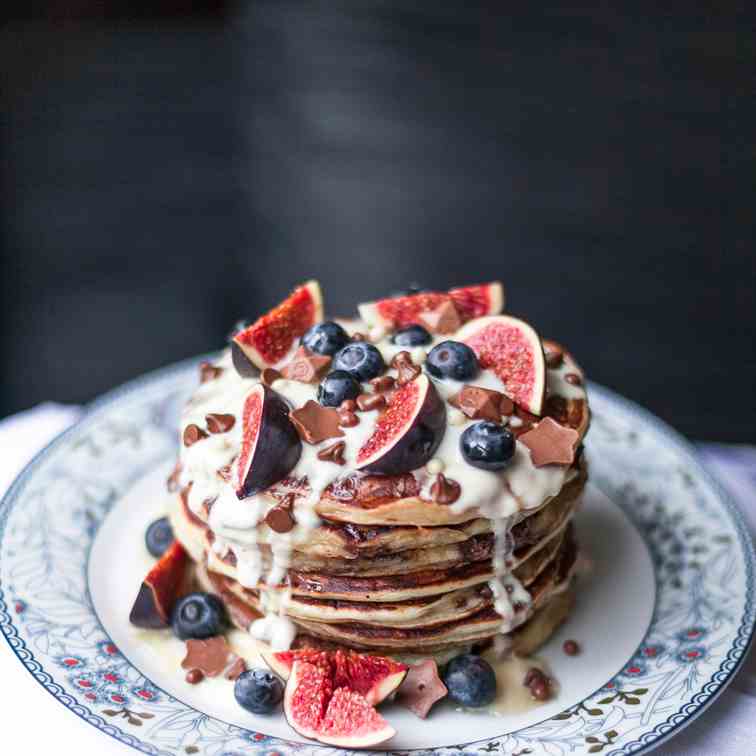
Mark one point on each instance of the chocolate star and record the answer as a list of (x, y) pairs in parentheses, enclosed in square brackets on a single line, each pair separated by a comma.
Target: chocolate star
[(306, 367), (212, 656), (478, 403), (404, 366), (316, 423), (550, 443), (444, 319), (421, 688), (219, 423), (280, 517), (445, 490), (574, 379), (333, 453)]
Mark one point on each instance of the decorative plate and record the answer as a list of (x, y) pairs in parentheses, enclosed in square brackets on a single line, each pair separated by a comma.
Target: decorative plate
[(665, 615)]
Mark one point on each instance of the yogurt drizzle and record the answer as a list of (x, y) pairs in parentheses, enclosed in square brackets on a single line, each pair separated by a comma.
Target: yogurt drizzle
[(499, 496)]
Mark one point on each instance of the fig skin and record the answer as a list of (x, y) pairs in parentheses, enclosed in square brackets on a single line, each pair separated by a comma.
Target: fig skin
[(277, 449), (165, 583), (420, 439), (243, 365)]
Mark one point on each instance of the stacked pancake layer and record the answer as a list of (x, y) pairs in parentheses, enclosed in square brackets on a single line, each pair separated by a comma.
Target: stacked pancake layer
[(376, 562)]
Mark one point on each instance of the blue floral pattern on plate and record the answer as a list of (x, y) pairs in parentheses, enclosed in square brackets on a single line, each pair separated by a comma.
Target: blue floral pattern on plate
[(703, 559)]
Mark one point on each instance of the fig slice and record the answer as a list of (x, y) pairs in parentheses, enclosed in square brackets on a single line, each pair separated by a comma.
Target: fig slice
[(469, 301), (373, 677), (512, 350), (338, 717), (167, 581), (270, 445), (271, 339), (408, 432)]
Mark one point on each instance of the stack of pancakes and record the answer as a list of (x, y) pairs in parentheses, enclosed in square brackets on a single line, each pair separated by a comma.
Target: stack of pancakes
[(386, 570)]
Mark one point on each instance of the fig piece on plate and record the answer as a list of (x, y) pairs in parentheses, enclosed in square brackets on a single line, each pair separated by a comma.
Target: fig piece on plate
[(374, 677), (469, 301), (164, 585), (270, 445), (272, 338), (335, 716), (408, 432), (512, 350)]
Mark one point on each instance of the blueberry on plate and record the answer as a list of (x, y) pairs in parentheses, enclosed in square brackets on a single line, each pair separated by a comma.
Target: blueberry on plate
[(452, 359), (411, 336), (487, 445), (471, 680), (258, 691), (158, 537), (325, 338), (360, 359), (198, 615), (338, 386)]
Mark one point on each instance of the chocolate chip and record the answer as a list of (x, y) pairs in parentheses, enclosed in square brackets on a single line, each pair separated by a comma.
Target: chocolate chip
[(406, 369), (209, 372), (554, 357), (571, 648), (192, 434), (359, 337), (348, 419), (551, 443), (219, 423), (368, 402), (538, 684), (478, 403), (333, 453), (269, 376), (348, 405), (574, 379), (280, 517), (316, 423), (306, 366), (444, 490), (382, 383), (194, 676), (540, 691)]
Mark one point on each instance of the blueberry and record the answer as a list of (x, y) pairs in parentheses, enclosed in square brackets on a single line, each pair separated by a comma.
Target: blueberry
[(487, 445), (471, 680), (240, 325), (198, 615), (258, 691), (452, 359), (360, 359), (158, 537), (411, 336), (325, 338), (338, 386)]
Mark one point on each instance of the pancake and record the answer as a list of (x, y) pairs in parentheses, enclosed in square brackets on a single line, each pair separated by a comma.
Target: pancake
[(385, 562)]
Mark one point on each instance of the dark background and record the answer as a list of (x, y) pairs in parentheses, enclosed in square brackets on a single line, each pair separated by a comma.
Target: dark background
[(167, 171)]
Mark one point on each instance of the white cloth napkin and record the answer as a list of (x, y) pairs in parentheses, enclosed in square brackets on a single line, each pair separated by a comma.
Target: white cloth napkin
[(728, 728)]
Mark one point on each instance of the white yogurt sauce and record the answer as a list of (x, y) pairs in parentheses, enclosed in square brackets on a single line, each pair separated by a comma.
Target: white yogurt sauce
[(500, 496)]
